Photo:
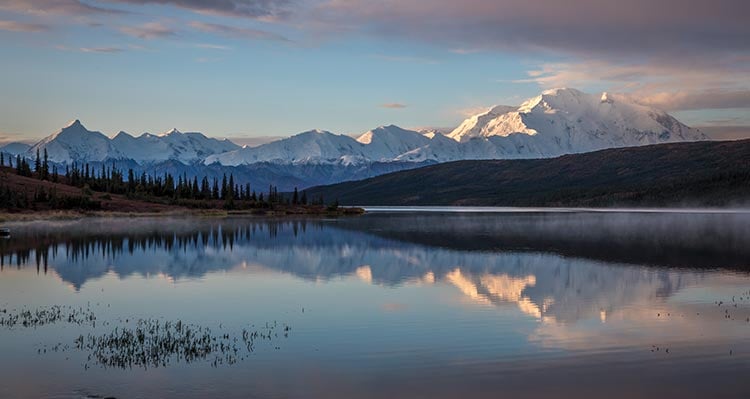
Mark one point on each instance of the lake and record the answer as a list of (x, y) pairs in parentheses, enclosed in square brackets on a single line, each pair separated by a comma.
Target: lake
[(441, 304)]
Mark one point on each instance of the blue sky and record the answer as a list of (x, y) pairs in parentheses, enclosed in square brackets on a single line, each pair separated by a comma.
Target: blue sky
[(248, 68)]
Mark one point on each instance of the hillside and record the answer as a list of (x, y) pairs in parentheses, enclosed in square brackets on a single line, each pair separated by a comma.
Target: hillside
[(27, 195), (29, 187), (680, 174)]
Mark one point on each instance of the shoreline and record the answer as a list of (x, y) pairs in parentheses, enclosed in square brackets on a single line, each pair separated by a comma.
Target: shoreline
[(72, 214)]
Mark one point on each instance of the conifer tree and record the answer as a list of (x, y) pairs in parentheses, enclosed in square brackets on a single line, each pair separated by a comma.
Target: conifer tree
[(45, 166), (38, 164)]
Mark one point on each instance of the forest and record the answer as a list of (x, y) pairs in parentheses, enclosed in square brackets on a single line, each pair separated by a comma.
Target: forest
[(92, 186)]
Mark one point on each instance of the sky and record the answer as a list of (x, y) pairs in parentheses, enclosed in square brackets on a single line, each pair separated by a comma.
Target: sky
[(253, 69)]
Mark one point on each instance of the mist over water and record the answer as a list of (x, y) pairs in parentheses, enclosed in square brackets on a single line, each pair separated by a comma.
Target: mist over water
[(391, 304)]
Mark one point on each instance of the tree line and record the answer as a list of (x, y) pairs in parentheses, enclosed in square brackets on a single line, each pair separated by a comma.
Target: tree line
[(182, 190)]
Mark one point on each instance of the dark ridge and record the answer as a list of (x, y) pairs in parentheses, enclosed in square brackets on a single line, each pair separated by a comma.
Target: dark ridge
[(709, 173)]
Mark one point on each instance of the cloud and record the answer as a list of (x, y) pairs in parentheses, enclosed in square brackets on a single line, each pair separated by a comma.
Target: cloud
[(722, 132), (707, 99), (471, 111), (687, 48), (55, 7), (700, 86), (6, 138), (393, 105), (15, 26), (578, 26), (729, 74), (404, 58), (212, 46), (237, 32), (204, 60), (103, 50), (258, 9), (148, 31)]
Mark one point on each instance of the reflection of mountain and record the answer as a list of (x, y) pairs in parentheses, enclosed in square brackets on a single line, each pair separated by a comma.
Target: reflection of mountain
[(542, 285), (692, 240)]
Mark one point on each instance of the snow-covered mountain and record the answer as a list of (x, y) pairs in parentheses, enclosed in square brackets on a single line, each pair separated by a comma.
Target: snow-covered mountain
[(557, 122), (383, 144), (15, 148), (563, 121), (183, 147), (386, 143), (314, 146), (75, 143)]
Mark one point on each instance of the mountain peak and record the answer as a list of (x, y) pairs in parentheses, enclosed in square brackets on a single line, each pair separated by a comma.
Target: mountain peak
[(74, 123), (171, 131), (122, 134), (563, 91), (569, 120), (316, 131)]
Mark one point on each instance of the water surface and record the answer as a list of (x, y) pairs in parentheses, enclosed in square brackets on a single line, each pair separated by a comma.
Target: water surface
[(407, 304)]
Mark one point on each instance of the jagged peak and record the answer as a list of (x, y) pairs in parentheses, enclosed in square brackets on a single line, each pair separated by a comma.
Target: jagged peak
[(171, 132), (74, 123), (73, 127), (122, 133)]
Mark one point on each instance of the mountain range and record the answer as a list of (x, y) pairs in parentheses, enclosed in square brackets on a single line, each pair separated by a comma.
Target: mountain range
[(557, 122)]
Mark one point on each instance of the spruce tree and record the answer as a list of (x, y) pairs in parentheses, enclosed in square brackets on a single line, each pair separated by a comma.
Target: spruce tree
[(224, 187), (38, 165), (45, 166)]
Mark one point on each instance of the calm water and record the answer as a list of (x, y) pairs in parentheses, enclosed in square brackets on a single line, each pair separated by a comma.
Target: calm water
[(424, 305)]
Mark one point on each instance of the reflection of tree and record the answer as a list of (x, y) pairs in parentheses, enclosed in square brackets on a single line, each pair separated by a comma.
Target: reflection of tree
[(542, 285)]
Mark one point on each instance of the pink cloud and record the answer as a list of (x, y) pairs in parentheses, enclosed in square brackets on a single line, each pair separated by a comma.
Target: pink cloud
[(16, 26)]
